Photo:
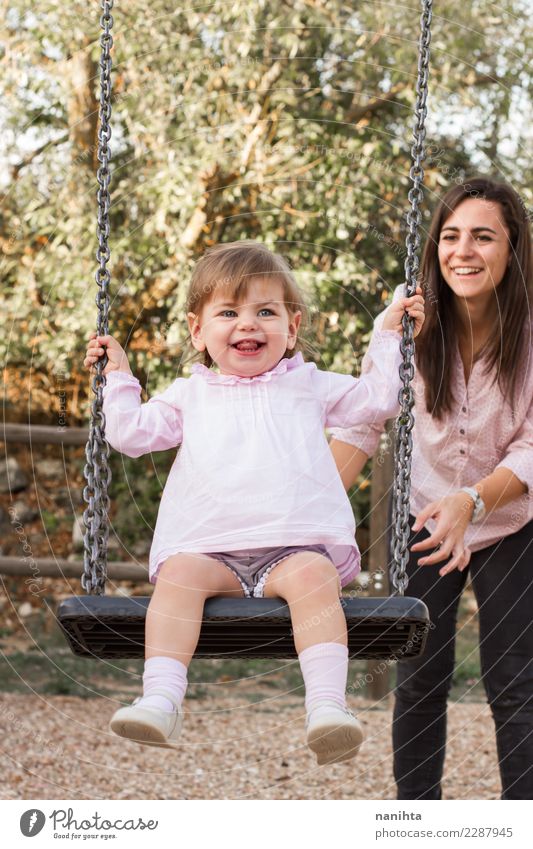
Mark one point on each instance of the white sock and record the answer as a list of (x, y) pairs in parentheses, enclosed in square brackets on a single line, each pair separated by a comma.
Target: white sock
[(163, 673), (325, 672)]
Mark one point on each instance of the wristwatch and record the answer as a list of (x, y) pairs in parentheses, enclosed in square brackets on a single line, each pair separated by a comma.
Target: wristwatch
[(479, 504)]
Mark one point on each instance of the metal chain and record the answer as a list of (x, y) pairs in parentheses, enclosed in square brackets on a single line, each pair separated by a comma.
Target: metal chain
[(97, 472), (405, 421)]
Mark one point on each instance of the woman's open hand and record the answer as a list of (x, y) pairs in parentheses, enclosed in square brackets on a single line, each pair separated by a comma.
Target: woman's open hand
[(452, 514), (116, 356), (414, 306)]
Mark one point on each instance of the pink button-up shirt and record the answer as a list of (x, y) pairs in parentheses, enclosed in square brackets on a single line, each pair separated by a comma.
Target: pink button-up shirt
[(254, 469), (481, 433)]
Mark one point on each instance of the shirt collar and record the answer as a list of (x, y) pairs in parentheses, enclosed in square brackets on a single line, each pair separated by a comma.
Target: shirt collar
[(284, 365)]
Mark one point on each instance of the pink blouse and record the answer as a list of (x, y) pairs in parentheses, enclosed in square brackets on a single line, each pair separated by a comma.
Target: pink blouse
[(254, 469), (480, 434)]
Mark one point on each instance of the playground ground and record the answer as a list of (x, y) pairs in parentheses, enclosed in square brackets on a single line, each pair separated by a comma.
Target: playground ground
[(249, 744), (243, 736)]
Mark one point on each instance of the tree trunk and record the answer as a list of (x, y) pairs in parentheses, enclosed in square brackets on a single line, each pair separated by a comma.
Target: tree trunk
[(83, 110)]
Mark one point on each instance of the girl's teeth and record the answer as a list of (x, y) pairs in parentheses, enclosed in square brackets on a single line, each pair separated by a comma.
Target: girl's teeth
[(466, 270)]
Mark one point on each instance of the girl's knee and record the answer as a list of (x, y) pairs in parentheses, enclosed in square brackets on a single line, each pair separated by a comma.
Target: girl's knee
[(311, 574), (184, 572), (198, 573)]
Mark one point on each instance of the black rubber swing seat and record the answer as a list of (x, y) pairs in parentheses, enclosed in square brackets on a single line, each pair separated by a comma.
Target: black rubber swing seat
[(393, 627)]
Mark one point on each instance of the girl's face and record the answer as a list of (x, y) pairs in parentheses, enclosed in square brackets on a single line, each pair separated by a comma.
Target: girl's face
[(249, 337), (474, 249)]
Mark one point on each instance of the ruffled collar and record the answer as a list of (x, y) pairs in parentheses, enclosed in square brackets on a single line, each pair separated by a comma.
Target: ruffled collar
[(284, 365)]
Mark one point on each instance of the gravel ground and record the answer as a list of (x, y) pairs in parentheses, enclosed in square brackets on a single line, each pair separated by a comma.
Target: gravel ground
[(57, 747)]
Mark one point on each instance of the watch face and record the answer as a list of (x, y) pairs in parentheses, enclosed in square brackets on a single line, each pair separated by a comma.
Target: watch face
[(479, 505), (479, 509)]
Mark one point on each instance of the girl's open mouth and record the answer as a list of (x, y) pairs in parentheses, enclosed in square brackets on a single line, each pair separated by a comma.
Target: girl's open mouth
[(248, 347)]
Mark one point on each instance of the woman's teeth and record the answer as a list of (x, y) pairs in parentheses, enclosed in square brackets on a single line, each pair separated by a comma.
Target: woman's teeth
[(465, 270)]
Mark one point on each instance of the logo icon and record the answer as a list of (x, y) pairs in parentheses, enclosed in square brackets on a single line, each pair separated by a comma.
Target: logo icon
[(32, 822)]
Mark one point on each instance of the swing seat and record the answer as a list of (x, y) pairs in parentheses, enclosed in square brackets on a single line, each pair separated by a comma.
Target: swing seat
[(104, 627)]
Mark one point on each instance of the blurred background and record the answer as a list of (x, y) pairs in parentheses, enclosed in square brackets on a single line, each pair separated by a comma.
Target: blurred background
[(285, 122)]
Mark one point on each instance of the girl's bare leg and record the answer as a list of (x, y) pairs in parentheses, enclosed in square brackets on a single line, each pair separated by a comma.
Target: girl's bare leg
[(310, 585), (174, 616)]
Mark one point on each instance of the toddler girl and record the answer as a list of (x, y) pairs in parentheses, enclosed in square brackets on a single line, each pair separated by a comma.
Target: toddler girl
[(253, 505)]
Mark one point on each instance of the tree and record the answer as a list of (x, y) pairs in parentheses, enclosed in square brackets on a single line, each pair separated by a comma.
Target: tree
[(287, 122)]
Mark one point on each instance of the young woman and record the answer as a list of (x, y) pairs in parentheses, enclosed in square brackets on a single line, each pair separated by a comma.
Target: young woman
[(472, 486)]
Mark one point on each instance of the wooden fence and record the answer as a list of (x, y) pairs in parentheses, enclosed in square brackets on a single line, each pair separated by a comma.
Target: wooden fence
[(382, 473)]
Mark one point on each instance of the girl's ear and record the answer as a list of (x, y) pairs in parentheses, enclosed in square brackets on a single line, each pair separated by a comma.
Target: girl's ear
[(196, 331), (294, 324)]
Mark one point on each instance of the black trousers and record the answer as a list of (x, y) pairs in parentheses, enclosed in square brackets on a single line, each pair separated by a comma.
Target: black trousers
[(502, 579)]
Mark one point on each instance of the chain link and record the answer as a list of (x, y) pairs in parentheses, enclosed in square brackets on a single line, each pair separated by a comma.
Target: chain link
[(405, 421), (97, 472)]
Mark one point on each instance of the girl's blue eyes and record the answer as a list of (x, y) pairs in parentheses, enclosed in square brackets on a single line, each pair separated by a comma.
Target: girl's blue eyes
[(232, 313)]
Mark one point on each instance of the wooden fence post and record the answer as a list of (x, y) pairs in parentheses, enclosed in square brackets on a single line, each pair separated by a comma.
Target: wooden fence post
[(382, 476)]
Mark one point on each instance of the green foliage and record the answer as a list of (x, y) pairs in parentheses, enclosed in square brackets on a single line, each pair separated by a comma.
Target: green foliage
[(50, 521), (285, 122)]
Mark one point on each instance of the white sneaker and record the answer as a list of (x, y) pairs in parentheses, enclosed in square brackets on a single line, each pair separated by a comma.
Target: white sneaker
[(148, 725), (333, 733)]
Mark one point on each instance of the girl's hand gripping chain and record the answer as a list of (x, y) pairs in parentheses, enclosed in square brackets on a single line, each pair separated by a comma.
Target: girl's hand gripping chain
[(116, 356), (414, 306)]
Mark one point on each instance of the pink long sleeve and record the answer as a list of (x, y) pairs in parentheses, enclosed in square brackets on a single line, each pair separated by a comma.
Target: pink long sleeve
[(372, 397), (134, 428), (518, 455), (362, 434)]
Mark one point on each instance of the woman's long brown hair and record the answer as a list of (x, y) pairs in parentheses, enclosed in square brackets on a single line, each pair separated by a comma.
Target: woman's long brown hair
[(437, 342)]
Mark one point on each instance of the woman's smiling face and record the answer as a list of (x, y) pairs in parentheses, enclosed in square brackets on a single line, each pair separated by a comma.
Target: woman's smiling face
[(474, 249), (247, 337)]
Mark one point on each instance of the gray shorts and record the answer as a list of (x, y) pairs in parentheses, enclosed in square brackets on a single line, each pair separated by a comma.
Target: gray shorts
[(252, 566)]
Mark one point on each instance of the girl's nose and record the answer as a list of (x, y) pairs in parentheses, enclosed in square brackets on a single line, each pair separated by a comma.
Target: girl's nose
[(247, 321)]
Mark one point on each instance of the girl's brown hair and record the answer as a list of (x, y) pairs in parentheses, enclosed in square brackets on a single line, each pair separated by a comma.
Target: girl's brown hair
[(231, 267), (437, 342)]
